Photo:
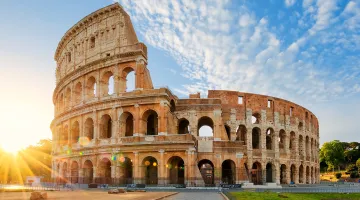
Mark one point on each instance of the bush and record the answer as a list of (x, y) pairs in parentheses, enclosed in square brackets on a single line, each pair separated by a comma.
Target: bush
[(351, 168), (338, 175), (354, 175)]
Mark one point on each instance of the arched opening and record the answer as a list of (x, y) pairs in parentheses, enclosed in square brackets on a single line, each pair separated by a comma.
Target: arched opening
[(256, 138), (78, 93), (282, 138), (151, 170), (176, 170), (307, 148), (65, 135), (67, 98), (74, 172), (307, 174), (90, 88), (107, 82), (205, 127), (61, 102), (105, 127), (75, 132), (129, 79), (270, 173), (227, 130), (292, 173), (150, 117), (65, 172), (228, 172), (301, 146), (292, 140), (184, 126), (58, 175), (270, 139), (256, 173), (300, 126), (104, 172), (127, 124), (241, 134), (256, 118), (88, 172), (312, 180), (172, 106), (301, 174), (89, 128), (206, 168), (283, 174), (126, 170)]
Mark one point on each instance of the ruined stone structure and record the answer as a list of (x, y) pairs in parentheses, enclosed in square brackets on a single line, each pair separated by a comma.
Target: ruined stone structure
[(103, 133)]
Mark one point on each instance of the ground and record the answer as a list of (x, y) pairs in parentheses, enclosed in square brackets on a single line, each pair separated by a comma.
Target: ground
[(196, 195), (87, 195), (293, 196)]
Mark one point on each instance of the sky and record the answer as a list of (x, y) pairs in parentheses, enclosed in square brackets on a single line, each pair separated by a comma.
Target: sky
[(306, 51)]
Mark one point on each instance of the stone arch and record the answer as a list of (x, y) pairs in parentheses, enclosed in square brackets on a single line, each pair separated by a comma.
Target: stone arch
[(312, 179), (307, 174), (293, 172), (241, 134), (307, 147), (107, 83), (64, 171), (74, 172), (65, 135), (206, 125), (256, 138), (300, 126), (61, 102), (68, 98), (77, 93), (150, 166), (104, 171), (89, 128), (150, 119), (282, 139), (292, 141), (128, 74), (228, 172), (301, 174), (127, 124), (176, 170), (75, 132), (105, 127), (270, 173), (88, 168), (126, 170), (227, 130), (206, 168), (301, 146), (184, 126), (256, 173), (90, 87), (283, 173), (256, 118), (270, 143)]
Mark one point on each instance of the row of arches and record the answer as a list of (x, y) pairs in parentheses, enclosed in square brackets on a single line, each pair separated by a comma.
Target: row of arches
[(87, 90)]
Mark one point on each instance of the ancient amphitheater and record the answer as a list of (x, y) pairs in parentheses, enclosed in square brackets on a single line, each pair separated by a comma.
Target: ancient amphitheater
[(104, 133)]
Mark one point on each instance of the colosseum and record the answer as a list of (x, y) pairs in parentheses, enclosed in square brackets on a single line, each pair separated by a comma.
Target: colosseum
[(104, 132)]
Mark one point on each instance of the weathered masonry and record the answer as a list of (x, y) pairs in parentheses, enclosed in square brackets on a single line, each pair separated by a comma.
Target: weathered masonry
[(105, 133)]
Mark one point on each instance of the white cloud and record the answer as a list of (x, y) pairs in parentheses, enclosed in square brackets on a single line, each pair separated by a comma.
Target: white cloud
[(324, 16), (289, 3)]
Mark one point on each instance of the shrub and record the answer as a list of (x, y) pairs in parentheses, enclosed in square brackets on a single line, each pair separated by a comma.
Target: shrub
[(338, 175), (354, 175), (351, 168)]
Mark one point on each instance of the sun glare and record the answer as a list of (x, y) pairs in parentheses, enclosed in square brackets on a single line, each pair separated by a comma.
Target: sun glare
[(13, 149)]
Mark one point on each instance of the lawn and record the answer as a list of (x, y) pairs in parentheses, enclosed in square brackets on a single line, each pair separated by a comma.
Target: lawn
[(290, 196)]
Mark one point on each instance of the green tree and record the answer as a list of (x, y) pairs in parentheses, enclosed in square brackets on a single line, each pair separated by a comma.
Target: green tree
[(358, 164), (332, 153)]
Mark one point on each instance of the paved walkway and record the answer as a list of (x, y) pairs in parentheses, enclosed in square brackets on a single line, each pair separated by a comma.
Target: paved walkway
[(196, 195)]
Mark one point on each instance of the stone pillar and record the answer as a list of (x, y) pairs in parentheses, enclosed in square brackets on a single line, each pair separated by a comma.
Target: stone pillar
[(98, 86), (162, 118), (116, 81), (95, 173), (217, 170), (277, 173), (136, 172), (137, 120), (161, 168), (288, 174), (83, 91)]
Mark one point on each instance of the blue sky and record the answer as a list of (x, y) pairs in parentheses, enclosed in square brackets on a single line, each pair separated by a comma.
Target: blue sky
[(306, 51)]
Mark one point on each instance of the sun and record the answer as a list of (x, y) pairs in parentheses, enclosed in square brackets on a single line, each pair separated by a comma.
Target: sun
[(10, 148)]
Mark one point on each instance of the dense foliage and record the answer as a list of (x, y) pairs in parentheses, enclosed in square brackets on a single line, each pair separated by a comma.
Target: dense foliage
[(31, 161), (336, 155)]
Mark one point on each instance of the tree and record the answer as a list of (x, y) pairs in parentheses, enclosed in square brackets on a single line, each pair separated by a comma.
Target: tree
[(332, 153), (358, 164)]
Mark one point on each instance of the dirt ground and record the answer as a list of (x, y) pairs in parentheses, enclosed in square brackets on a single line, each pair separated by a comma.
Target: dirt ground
[(87, 195)]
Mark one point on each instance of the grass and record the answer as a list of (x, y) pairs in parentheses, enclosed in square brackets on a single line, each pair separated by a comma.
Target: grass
[(293, 196)]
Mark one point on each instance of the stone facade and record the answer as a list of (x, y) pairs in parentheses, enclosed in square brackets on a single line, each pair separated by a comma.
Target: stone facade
[(105, 134)]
